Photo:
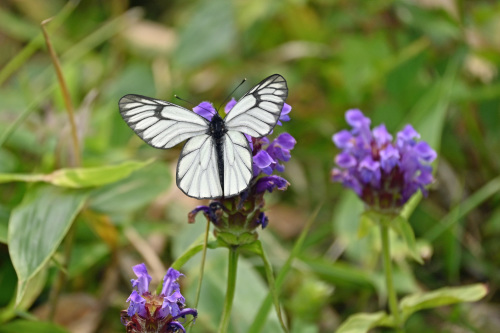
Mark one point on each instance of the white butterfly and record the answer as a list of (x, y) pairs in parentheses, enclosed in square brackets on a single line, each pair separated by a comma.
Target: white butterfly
[(216, 161)]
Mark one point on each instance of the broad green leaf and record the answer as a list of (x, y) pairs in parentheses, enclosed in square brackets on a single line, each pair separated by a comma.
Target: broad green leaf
[(133, 192), (363, 322), (403, 228), (31, 327), (33, 289), (440, 297), (38, 225), (80, 177)]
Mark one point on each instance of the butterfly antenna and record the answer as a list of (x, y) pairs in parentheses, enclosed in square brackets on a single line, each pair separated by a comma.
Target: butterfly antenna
[(185, 100), (232, 92)]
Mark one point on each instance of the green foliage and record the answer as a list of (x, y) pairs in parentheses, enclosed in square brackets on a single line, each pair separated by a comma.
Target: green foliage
[(433, 64)]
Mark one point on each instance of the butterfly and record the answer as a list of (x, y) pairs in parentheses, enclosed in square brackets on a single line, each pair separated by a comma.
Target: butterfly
[(216, 160)]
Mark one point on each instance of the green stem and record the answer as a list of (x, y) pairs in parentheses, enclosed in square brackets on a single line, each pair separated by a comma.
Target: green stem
[(202, 266), (231, 285), (393, 300)]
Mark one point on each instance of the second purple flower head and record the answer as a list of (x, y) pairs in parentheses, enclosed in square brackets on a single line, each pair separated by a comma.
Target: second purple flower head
[(383, 172)]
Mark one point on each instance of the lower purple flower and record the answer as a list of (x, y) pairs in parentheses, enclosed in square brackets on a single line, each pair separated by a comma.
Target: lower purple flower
[(383, 173), (155, 313)]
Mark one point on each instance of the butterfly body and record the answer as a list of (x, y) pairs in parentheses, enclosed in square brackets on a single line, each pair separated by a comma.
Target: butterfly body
[(216, 160), (217, 131)]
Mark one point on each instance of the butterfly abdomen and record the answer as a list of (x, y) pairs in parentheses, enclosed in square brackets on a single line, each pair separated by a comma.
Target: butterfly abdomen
[(217, 131)]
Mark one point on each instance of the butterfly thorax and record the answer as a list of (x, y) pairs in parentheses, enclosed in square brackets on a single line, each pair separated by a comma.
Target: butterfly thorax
[(217, 128)]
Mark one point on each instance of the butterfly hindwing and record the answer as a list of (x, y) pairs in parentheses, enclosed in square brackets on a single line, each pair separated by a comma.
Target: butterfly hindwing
[(198, 168), (159, 123), (258, 111), (237, 158)]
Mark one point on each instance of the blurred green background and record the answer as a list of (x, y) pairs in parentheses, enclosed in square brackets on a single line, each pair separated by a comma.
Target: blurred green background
[(433, 63)]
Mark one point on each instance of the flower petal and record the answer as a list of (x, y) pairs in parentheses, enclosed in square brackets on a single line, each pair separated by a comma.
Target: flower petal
[(169, 282), (143, 278), (230, 105), (205, 109), (270, 183)]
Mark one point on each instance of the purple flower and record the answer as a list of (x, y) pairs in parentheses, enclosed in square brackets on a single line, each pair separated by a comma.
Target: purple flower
[(262, 162), (270, 183), (148, 312), (383, 173)]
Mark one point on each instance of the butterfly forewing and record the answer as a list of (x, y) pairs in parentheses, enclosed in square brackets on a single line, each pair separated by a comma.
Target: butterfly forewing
[(258, 111), (160, 124)]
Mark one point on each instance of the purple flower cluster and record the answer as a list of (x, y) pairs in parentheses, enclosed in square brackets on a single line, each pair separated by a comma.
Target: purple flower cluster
[(267, 158), (155, 313), (383, 173)]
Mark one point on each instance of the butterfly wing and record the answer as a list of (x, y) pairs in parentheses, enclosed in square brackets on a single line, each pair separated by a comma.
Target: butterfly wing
[(160, 124), (258, 111), (198, 168), (237, 158)]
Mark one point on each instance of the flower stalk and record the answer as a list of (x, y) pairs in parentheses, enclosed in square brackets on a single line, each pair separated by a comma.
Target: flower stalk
[(389, 281), (231, 287)]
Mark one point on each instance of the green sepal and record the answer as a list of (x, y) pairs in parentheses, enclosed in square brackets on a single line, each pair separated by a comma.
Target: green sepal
[(232, 239)]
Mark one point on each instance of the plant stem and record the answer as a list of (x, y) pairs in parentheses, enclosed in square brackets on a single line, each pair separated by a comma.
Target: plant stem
[(231, 284), (393, 300), (65, 93)]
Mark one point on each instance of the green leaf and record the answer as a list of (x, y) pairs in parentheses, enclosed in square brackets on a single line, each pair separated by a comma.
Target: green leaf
[(32, 327), (80, 177), (403, 228), (363, 322), (440, 297), (133, 192), (257, 248), (38, 225)]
